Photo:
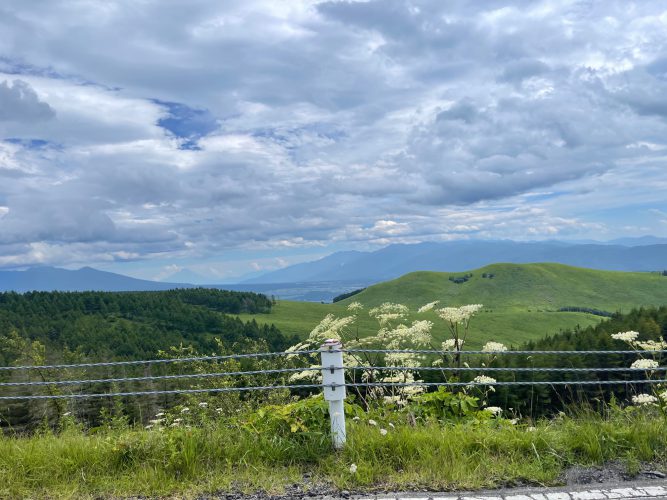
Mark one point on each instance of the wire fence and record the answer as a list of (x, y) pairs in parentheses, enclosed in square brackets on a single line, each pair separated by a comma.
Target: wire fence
[(56, 377)]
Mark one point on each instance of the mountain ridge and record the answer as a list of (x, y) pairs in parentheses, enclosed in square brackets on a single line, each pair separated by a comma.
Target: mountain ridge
[(396, 260)]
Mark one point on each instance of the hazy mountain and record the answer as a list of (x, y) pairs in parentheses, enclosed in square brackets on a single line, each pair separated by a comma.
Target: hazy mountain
[(396, 260), (48, 279), (86, 278)]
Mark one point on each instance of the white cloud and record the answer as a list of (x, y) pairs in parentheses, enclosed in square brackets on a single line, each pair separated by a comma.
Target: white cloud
[(359, 123)]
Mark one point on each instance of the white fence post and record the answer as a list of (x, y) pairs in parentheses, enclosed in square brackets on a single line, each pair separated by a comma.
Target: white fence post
[(333, 379)]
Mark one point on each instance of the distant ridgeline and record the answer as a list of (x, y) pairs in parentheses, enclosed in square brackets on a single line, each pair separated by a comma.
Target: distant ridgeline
[(132, 325)]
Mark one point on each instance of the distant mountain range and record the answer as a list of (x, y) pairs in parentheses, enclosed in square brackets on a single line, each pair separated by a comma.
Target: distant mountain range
[(48, 279), (342, 272), (456, 256)]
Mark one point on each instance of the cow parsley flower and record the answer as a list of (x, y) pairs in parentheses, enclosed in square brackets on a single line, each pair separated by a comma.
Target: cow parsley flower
[(354, 307), (645, 364), (383, 432), (203, 404), (629, 336), (652, 345), (494, 347), (372, 422), (185, 410), (451, 344), (458, 314), (483, 379), (644, 399), (494, 410), (353, 469), (428, 306)]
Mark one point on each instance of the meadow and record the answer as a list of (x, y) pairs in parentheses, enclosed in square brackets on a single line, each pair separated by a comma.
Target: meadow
[(521, 301)]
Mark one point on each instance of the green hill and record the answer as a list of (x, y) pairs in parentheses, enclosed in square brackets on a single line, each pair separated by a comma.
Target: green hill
[(521, 301)]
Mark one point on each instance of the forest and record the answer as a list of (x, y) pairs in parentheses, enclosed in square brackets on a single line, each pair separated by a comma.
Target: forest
[(90, 326)]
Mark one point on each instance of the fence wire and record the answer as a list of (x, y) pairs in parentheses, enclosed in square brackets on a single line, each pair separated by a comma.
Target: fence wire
[(290, 354)]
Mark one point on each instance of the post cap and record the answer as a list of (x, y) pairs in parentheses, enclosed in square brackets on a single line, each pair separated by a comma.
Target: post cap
[(331, 343)]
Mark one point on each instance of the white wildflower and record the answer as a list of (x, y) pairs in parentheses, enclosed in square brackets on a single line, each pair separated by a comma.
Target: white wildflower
[(652, 345), (67, 414), (353, 469), (218, 410), (185, 410), (494, 410), (383, 432), (663, 395), (514, 421), (458, 314), (645, 364), (156, 421), (629, 336), (531, 429), (451, 344), (494, 347), (388, 312), (391, 425), (372, 422), (428, 306), (178, 420), (329, 328), (483, 379), (644, 399), (150, 426), (354, 307), (203, 404), (356, 419), (161, 414), (175, 424)]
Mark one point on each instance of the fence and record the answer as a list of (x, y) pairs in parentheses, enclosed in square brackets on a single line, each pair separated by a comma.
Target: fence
[(332, 369)]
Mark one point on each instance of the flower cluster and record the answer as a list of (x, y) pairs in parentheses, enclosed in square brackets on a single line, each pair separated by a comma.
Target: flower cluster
[(355, 307), (452, 344), (644, 399), (483, 379), (388, 312), (628, 337), (645, 364), (428, 306), (494, 410), (652, 345), (458, 314), (494, 347)]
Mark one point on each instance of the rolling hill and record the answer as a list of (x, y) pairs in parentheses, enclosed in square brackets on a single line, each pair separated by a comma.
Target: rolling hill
[(521, 301)]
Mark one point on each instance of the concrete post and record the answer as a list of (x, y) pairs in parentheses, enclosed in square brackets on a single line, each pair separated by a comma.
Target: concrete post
[(333, 380)]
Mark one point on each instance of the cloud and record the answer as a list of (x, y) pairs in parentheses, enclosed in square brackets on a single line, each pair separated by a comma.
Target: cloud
[(19, 103), (189, 131)]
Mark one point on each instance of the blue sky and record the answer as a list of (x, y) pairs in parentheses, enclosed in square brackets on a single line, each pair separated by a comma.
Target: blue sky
[(242, 136)]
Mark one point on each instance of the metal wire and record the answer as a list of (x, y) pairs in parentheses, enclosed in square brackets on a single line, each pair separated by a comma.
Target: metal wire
[(174, 391), (155, 361), (321, 386), (480, 384), (450, 353), (160, 377), (504, 369)]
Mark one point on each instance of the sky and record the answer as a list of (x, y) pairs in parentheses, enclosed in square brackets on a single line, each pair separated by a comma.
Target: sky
[(150, 136)]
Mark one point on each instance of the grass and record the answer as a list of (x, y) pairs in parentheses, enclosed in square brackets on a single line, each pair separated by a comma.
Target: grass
[(218, 457), (521, 300)]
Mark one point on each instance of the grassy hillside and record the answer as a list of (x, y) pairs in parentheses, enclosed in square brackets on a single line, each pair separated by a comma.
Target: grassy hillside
[(521, 300)]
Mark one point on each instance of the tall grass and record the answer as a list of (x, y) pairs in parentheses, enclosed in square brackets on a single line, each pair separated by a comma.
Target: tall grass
[(223, 455)]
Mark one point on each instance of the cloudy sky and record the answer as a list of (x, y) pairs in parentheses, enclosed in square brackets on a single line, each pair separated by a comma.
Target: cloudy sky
[(227, 137)]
